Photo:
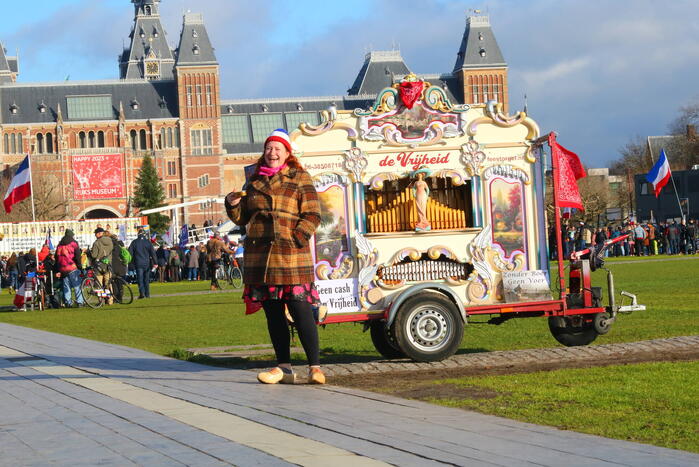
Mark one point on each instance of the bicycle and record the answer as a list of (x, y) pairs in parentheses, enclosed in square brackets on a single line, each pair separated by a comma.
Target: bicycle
[(35, 291), (229, 275), (95, 294)]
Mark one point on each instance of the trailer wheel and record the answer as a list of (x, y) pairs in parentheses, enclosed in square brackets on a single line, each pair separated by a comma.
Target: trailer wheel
[(602, 323), (383, 340), (428, 327), (570, 335)]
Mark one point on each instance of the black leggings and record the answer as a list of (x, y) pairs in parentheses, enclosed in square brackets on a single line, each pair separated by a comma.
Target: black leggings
[(302, 315)]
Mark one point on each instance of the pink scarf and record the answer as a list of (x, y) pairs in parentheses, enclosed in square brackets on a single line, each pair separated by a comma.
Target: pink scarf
[(269, 171)]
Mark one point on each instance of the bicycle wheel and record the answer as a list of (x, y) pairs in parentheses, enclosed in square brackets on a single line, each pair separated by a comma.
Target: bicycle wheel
[(91, 290), (223, 277), (121, 291), (236, 277)]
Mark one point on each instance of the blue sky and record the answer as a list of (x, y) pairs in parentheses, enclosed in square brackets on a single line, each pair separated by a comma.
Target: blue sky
[(598, 72)]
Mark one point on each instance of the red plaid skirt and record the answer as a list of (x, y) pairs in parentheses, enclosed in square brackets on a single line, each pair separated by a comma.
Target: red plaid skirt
[(254, 295)]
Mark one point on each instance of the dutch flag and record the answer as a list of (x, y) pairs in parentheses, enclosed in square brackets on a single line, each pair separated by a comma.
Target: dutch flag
[(660, 174), (20, 187)]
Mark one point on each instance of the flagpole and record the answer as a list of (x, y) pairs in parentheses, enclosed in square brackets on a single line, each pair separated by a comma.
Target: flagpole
[(559, 234), (679, 204), (31, 190)]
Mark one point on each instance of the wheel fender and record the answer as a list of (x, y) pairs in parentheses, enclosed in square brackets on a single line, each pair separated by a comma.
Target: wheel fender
[(412, 290)]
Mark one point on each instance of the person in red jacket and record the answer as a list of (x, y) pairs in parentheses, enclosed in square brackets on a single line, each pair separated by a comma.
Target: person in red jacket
[(68, 259)]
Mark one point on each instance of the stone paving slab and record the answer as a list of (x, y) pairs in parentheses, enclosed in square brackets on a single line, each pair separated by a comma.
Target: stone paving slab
[(71, 401), (505, 359)]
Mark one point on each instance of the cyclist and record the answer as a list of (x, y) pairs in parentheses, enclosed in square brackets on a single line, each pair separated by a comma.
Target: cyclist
[(240, 252), (101, 253), (119, 268), (215, 248)]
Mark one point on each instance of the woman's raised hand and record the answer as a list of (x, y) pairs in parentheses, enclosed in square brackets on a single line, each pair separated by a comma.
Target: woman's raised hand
[(234, 197)]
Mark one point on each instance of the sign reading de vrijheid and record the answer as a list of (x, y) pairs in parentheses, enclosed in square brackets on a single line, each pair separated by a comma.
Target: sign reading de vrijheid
[(98, 176)]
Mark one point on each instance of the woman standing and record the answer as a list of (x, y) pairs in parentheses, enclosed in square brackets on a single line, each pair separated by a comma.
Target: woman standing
[(281, 212)]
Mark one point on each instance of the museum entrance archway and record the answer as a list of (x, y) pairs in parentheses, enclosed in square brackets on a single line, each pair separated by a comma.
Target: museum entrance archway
[(100, 214)]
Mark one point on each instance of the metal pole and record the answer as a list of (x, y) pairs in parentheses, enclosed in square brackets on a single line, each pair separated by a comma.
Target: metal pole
[(557, 217)]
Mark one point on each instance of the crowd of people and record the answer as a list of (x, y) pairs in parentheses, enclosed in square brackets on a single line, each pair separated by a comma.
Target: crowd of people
[(64, 267), (644, 238)]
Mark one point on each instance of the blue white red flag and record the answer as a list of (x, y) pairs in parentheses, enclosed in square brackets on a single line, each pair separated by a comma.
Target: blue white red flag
[(20, 187), (660, 174)]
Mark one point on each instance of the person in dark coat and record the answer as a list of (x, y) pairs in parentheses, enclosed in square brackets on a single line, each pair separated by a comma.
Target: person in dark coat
[(119, 268), (144, 258), (163, 256)]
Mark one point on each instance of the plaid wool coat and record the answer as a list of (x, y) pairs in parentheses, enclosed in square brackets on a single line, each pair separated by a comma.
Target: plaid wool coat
[(281, 214)]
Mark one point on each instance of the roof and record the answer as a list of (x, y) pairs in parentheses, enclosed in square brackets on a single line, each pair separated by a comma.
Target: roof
[(146, 36), (156, 99), (5, 70), (195, 47), (378, 72), (656, 143), (286, 105), (478, 49)]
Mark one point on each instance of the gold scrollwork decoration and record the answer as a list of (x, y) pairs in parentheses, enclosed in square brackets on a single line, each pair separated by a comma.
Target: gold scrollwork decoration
[(457, 178), (378, 180), (496, 116), (327, 123)]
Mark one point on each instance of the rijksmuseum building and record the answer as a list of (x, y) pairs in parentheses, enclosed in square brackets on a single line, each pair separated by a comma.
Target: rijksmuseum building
[(90, 137)]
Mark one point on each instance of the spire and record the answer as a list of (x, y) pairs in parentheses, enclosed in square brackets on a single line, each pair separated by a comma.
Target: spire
[(148, 54), (7, 73), (195, 47), (479, 49)]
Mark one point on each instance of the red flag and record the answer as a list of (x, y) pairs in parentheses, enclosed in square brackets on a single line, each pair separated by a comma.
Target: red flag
[(567, 169), (410, 91)]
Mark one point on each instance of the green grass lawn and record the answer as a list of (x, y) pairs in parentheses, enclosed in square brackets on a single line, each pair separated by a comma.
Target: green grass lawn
[(656, 403), (670, 290)]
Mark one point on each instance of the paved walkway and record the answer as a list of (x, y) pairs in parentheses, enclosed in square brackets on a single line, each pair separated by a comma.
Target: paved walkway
[(71, 401)]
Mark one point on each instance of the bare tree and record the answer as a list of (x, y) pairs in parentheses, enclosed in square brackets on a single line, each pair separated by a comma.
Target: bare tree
[(594, 192), (49, 202), (634, 158)]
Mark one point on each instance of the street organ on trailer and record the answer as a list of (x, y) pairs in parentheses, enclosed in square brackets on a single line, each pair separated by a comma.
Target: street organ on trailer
[(433, 212)]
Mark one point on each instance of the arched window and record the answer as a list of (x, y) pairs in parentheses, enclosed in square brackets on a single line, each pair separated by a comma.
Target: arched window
[(91, 139), (13, 143), (100, 139), (82, 142), (162, 138), (169, 137), (49, 143), (20, 149), (40, 143), (142, 139), (177, 137), (134, 139), (6, 144)]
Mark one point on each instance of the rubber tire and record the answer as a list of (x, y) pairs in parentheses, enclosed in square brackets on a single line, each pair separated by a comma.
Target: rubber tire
[(126, 292), (383, 342), (572, 336), (419, 311), (90, 298), (224, 279), (601, 330), (236, 278)]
